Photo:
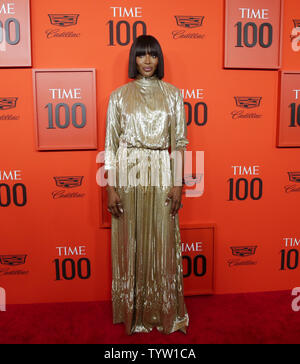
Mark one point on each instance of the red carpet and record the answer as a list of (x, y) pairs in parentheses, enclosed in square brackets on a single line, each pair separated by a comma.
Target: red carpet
[(254, 318)]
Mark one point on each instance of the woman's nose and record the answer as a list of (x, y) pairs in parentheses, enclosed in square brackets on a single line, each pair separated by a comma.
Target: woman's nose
[(147, 58)]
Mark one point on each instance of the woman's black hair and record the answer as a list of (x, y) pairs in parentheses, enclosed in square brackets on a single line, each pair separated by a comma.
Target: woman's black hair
[(146, 44)]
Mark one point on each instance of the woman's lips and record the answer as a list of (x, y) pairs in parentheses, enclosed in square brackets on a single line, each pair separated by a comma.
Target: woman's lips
[(147, 69)]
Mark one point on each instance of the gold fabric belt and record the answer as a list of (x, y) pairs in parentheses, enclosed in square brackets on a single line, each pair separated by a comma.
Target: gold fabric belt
[(131, 147)]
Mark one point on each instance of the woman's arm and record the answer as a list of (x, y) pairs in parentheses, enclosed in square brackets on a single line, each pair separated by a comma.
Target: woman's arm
[(175, 195), (181, 141), (113, 131)]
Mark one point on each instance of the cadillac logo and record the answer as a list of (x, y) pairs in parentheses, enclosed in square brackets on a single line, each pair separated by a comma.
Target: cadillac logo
[(189, 21), (296, 23), (13, 260), (8, 103), (293, 187), (294, 176), (243, 251), (63, 20), (68, 182), (246, 102), (191, 179)]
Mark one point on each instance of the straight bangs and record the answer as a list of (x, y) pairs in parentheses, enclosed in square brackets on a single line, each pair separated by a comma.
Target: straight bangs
[(147, 48), (146, 44)]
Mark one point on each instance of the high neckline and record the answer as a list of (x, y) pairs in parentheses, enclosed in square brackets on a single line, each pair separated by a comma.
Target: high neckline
[(145, 80)]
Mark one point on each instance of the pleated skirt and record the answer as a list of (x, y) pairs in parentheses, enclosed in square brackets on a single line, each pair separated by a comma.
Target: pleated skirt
[(147, 274)]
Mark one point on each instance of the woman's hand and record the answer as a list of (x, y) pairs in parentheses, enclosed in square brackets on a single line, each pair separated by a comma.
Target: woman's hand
[(114, 202), (175, 196)]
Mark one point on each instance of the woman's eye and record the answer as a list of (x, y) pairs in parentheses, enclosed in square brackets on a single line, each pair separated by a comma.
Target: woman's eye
[(144, 55)]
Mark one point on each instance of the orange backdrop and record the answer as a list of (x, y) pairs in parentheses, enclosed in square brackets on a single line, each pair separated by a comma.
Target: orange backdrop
[(256, 240)]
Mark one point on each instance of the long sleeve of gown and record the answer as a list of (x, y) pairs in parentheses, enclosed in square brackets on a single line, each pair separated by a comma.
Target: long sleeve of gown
[(180, 124), (113, 131)]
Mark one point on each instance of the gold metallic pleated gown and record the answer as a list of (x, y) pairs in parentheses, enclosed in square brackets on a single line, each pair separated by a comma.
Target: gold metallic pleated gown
[(147, 281)]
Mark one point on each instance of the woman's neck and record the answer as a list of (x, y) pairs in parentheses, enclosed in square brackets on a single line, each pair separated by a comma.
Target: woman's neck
[(141, 77)]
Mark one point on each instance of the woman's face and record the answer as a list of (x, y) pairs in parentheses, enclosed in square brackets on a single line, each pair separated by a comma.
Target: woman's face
[(147, 64)]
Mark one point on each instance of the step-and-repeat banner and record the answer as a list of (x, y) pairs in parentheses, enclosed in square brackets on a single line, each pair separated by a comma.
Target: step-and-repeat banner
[(237, 64)]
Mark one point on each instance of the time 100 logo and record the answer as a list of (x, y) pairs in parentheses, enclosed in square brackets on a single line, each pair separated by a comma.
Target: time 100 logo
[(122, 32), (67, 267), (10, 23), (70, 112)]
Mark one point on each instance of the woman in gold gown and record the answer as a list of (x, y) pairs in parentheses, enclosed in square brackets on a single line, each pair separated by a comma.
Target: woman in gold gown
[(147, 279)]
